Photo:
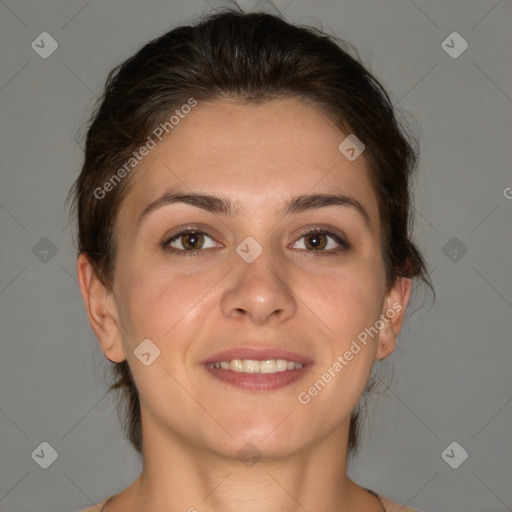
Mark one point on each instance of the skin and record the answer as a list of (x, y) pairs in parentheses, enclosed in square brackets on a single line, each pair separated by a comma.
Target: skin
[(290, 297)]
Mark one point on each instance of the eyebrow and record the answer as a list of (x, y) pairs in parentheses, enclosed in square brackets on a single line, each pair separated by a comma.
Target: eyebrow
[(224, 206)]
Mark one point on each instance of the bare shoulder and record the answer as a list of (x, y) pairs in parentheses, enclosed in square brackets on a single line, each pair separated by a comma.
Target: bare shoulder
[(393, 506), (96, 508)]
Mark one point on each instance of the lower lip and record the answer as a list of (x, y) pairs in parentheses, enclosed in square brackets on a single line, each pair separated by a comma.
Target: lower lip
[(258, 381)]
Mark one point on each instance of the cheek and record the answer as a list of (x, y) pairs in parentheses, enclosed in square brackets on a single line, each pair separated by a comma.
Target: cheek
[(347, 301), (347, 304), (158, 303), (167, 309)]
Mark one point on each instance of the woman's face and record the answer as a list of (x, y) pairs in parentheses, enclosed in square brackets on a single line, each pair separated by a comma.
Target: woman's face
[(305, 298)]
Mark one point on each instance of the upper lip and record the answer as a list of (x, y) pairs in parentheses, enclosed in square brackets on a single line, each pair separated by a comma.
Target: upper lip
[(256, 353)]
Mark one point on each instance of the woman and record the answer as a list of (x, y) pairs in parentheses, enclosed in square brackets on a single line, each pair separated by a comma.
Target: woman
[(244, 257)]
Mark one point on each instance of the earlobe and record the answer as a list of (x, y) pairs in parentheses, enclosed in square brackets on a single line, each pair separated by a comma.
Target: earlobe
[(394, 308), (101, 310)]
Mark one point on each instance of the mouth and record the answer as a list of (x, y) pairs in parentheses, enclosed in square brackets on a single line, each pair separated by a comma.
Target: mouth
[(257, 369), (255, 366)]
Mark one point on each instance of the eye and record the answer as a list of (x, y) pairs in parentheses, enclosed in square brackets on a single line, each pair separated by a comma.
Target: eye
[(188, 242), (321, 240), (191, 242)]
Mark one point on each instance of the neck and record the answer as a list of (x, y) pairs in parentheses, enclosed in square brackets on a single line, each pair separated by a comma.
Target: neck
[(180, 476)]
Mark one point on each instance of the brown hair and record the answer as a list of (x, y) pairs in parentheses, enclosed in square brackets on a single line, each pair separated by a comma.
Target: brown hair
[(252, 58)]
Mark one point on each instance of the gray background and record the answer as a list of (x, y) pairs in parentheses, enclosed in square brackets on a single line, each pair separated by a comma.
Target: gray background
[(452, 378)]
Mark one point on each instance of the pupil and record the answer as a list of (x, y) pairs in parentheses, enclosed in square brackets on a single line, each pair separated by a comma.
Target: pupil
[(316, 241), (192, 240)]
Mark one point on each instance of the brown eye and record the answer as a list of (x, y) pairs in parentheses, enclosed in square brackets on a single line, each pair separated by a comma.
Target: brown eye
[(321, 241), (190, 242), (316, 241)]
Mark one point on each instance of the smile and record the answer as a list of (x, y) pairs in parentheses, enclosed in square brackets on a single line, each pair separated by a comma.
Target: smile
[(254, 375), (255, 366)]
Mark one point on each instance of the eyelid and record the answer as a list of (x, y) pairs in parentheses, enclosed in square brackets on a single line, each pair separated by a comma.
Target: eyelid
[(187, 228), (339, 237), (203, 235), (182, 230)]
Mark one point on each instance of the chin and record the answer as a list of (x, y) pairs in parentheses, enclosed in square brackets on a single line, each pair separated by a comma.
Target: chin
[(269, 437)]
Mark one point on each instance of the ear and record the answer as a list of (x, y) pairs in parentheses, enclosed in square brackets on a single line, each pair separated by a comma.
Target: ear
[(392, 315), (101, 309)]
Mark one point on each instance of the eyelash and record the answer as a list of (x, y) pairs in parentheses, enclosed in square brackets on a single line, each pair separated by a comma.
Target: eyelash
[(345, 246)]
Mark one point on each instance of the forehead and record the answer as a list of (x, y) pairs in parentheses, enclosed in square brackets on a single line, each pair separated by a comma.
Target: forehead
[(255, 154)]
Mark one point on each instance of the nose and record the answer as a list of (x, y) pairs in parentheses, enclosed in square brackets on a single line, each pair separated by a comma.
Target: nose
[(258, 292)]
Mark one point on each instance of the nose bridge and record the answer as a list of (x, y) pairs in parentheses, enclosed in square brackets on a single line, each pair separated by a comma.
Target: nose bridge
[(258, 288)]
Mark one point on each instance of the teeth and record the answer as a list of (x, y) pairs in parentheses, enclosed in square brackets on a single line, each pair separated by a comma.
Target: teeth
[(237, 365), (249, 366), (253, 366), (269, 366)]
